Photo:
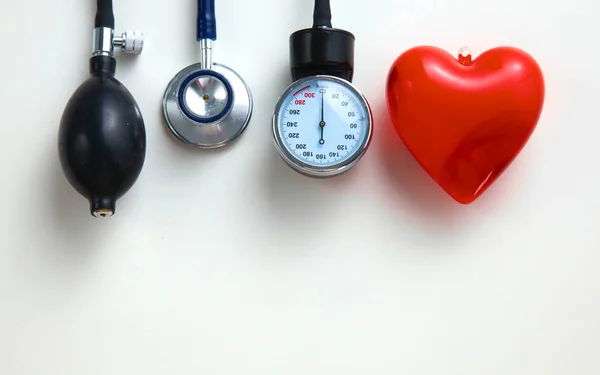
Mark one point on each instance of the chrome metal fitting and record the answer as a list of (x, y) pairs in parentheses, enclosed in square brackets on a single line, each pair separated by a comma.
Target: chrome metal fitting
[(104, 42), (206, 61), (130, 41)]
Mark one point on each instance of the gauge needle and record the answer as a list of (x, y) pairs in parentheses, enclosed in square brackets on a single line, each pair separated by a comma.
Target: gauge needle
[(322, 123)]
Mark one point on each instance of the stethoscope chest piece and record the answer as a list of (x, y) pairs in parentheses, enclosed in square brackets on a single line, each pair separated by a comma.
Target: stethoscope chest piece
[(207, 108), (207, 105)]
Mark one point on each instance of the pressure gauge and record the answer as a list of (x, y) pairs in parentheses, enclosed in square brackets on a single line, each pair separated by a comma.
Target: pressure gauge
[(322, 125)]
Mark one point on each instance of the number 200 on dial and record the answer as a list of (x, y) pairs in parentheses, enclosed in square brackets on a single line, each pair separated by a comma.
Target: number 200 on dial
[(322, 126)]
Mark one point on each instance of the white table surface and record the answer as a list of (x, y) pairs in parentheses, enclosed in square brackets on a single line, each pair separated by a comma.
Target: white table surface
[(228, 262)]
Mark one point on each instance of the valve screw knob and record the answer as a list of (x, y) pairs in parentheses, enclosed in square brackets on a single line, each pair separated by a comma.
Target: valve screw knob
[(131, 42)]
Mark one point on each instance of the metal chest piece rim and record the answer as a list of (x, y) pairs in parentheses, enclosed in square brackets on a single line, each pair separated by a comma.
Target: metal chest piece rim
[(188, 122)]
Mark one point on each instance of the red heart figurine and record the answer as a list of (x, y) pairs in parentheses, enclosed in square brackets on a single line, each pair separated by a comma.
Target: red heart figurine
[(465, 120)]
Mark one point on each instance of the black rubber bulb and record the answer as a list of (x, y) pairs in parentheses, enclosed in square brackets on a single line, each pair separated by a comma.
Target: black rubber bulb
[(102, 138)]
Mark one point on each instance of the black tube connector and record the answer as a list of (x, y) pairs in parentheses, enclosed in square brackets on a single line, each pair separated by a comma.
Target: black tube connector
[(104, 14), (322, 14), (322, 49)]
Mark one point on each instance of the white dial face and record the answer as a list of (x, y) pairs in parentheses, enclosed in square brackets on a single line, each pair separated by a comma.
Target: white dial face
[(323, 122)]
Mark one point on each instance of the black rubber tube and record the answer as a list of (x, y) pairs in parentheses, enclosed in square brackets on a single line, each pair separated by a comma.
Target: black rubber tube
[(322, 14), (104, 14)]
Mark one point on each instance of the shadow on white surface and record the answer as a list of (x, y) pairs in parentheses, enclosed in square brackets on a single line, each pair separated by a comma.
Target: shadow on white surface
[(126, 68), (292, 195), (300, 211), (75, 237)]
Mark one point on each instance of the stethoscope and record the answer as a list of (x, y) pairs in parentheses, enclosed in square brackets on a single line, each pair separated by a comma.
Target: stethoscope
[(207, 105)]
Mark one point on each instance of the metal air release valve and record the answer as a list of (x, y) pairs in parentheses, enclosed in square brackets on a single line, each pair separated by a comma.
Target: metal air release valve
[(105, 41)]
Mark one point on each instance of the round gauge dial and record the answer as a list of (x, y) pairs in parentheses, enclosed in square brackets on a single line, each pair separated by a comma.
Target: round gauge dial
[(322, 126)]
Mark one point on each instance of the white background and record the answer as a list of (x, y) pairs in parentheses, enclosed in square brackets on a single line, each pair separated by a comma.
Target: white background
[(228, 262)]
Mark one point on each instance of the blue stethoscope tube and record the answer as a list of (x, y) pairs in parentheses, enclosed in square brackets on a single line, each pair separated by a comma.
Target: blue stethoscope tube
[(206, 29), (206, 21)]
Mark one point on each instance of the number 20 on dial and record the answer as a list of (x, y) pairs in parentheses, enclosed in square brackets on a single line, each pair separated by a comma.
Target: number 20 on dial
[(322, 126)]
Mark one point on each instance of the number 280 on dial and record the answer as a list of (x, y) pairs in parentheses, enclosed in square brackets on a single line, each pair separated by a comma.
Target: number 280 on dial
[(322, 126)]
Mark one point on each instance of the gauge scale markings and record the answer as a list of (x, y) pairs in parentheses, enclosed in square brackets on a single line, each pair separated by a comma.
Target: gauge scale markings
[(322, 125), (303, 143)]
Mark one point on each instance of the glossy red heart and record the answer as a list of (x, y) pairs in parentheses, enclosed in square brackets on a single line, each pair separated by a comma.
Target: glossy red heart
[(465, 120)]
